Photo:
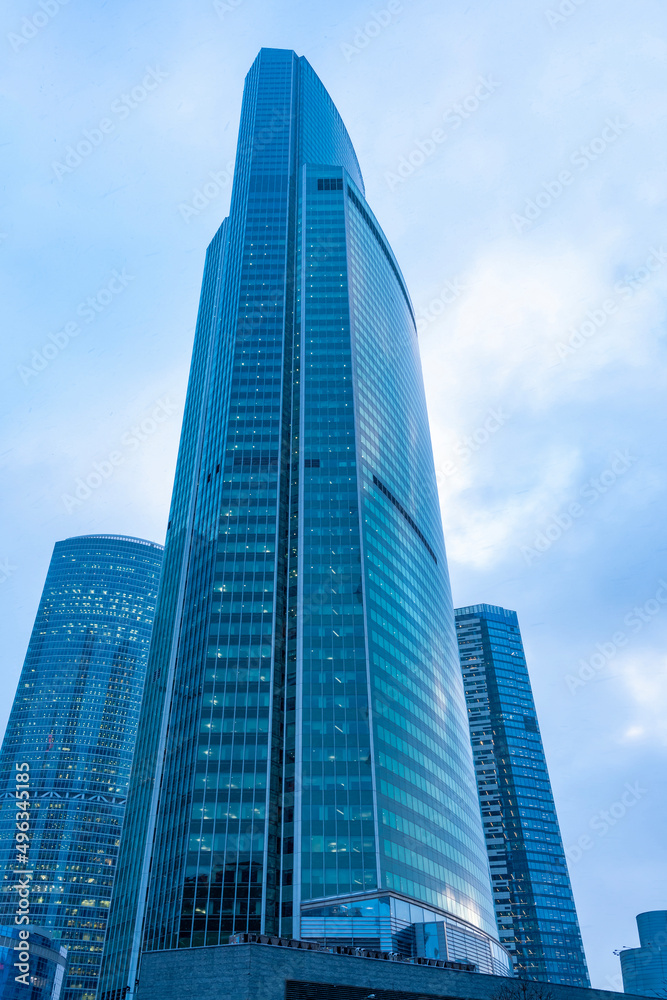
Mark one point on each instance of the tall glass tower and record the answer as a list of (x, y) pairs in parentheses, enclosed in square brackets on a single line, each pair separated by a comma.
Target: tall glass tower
[(537, 919), (71, 732), (303, 761)]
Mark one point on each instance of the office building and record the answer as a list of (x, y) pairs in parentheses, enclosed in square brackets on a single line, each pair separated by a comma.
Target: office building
[(71, 733), (537, 920), (644, 969), (303, 761), (47, 964)]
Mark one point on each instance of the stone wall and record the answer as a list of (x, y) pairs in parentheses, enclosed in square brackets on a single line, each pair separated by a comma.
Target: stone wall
[(260, 972)]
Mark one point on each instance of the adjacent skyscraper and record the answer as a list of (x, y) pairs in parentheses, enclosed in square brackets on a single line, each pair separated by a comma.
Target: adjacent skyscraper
[(303, 762), (46, 962), (534, 905), (71, 732), (644, 969)]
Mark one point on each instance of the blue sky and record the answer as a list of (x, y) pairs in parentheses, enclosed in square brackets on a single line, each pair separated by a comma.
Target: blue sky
[(515, 155)]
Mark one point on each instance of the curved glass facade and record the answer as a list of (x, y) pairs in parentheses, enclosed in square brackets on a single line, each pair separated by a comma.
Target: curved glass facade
[(310, 741), (71, 732), (48, 964), (644, 969)]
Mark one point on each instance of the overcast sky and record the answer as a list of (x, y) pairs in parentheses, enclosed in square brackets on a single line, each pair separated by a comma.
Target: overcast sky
[(514, 153)]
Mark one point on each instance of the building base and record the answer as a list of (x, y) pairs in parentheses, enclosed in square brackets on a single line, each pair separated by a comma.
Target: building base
[(289, 971)]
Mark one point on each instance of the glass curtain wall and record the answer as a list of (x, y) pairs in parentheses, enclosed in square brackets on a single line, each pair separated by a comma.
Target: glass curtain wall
[(72, 728), (307, 738), (537, 919)]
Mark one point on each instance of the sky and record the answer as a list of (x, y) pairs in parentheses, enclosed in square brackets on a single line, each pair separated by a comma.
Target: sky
[(514, 154)]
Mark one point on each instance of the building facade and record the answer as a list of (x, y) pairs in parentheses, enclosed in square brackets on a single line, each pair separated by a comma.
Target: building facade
[(537, 919), (303, 761), (47, 965), (644, 969), (71, 732)]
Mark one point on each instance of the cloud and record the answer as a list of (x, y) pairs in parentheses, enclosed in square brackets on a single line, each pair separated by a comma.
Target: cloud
[(644, 677)]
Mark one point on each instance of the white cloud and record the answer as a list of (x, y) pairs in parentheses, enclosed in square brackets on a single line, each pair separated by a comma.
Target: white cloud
[(644, 676)]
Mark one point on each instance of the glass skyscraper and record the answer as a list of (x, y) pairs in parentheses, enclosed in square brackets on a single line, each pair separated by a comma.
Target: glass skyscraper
[(303, 764), (71, 732), (537, 919), (644, 969), (47, 962)]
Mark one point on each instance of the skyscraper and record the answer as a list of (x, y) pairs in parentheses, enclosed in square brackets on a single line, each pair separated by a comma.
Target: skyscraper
[(47, 964), (71, 732), (303, 761), (644, 969), (533, 899)]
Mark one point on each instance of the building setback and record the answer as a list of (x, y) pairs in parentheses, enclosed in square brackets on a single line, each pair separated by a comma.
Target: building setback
[(303, 761), (537, 919), (73, 723), (644, 969)]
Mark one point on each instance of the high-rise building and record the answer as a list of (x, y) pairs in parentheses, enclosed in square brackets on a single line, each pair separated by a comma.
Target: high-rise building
[(644, 969), (537, 919), (303, 763), (71, 736), (46, 964)]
